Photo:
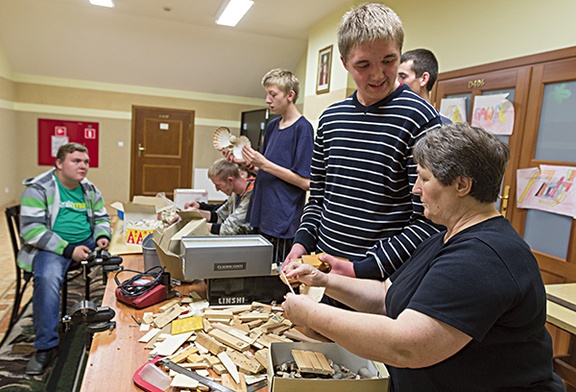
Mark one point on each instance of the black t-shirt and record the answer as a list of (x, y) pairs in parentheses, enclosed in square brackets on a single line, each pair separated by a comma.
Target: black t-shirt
[(486, 283)]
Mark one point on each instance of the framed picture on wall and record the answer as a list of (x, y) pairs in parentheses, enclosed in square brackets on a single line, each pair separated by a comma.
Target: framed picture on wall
[(324, 68)]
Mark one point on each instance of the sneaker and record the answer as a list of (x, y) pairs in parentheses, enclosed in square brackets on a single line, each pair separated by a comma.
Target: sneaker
[(40, 361)]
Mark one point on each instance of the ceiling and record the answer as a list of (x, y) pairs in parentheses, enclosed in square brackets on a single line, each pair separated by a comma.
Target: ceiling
[(169, 44)]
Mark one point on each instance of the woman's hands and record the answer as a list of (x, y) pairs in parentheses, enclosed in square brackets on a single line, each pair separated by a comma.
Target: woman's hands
[(306, 274), (297, 308)]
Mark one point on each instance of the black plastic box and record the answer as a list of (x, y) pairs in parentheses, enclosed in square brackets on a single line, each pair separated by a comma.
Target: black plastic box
[(245, 290)]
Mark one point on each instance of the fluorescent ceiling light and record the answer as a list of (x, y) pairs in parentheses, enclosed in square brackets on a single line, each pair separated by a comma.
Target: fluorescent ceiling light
[(103, 3), (234, 11)]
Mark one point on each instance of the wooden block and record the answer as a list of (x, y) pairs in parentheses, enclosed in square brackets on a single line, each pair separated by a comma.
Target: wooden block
[(183, 381), (195, 296), (211, 360), (197, 360), (262, 357), (171, 344), (222, 321), (229, 340), (280, 329), (187, 324), (254, 316), (207, 325), (149, 336), (254, 324), (234, 332), (267, 339), (164, 318), (181, 356), (246, 364), (242, 326), (195, 365), (148, 318), (212, 314), (168, 305), (210, 343), (315, 262), (294, 334), (238, 386), (219, 369), (263, 308), (230, 366), (274, 321), (151, 344), (312, 362)]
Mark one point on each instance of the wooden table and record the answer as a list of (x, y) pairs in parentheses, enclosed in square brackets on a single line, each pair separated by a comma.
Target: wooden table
[(115, 355), (563, 316)]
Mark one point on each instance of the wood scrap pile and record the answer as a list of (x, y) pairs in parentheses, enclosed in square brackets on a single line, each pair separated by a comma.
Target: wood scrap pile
[(229, 345)]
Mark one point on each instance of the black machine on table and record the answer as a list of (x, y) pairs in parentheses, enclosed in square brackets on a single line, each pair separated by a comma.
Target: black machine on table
[(96, 318)]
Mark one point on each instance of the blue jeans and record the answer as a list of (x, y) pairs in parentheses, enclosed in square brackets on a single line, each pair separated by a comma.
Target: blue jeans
[(49, 273)]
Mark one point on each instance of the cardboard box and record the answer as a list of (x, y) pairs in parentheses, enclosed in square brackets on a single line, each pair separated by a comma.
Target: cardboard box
[(226, 256), (182, 196), (282, 352), (141, 209), (242, 291), (167, 241)]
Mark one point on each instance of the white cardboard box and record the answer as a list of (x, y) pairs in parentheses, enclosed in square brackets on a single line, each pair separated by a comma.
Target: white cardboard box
[(142, 208), (182, 196)]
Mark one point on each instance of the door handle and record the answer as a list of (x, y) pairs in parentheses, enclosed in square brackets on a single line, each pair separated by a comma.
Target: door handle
[(140, 149), (504, 198)]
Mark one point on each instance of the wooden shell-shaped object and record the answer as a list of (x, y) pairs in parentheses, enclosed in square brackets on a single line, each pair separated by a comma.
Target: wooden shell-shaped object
[(223, 139)]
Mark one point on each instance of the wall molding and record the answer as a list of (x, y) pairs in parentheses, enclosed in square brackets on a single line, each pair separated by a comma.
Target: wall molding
[(96, 113), (129, 89)]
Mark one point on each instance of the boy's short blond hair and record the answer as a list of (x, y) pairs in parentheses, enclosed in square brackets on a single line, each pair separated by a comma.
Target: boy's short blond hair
[(284, 79), (368, 23), (222, 169)]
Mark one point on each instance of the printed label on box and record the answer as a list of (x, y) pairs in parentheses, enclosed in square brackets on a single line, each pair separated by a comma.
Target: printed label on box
[(136, 236)]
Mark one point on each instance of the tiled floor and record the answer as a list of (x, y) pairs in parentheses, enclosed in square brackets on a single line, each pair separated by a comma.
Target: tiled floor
[(7, 276)]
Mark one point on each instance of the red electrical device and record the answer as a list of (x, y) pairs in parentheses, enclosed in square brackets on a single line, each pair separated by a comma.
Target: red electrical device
[(143, 289)]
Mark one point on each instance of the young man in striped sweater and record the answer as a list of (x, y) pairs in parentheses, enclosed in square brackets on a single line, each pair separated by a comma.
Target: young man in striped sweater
[(360, 206), (62, 219)]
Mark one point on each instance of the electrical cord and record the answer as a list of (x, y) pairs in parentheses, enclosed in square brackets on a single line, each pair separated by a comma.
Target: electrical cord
[(132, 289)]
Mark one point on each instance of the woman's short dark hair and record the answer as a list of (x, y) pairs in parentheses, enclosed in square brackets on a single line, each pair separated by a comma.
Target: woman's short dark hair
[(462, 150)]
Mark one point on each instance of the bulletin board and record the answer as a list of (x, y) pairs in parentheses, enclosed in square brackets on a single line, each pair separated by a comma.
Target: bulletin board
[(54, 133)]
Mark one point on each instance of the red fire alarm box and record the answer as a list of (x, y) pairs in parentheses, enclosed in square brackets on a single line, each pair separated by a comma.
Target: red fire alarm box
[(54, 133)]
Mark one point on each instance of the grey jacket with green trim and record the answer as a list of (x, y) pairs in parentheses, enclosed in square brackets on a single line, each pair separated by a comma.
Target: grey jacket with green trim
[(39, 207)]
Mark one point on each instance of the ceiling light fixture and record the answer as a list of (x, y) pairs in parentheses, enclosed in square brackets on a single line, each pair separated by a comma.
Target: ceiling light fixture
[(103, 3), (234, 11)]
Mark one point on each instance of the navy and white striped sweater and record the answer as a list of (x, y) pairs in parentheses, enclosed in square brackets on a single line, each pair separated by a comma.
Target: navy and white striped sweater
[(362, 174)]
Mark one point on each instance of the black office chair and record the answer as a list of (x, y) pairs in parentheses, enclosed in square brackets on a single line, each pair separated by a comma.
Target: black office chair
[(23, 277)]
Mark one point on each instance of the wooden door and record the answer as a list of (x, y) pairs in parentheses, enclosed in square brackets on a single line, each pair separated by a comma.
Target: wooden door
[(162, 145), (550, 139), (515, 82)]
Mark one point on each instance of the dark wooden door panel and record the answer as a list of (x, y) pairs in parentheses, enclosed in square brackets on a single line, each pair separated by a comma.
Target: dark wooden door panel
[(162, 145)]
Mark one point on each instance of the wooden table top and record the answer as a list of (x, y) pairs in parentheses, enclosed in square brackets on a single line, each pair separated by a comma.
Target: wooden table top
[(557, 314), (115, 355)]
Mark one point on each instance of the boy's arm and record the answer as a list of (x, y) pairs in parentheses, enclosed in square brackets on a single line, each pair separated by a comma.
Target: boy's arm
[(221, 213), (307, 234), (236, 223), (34, 225)]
